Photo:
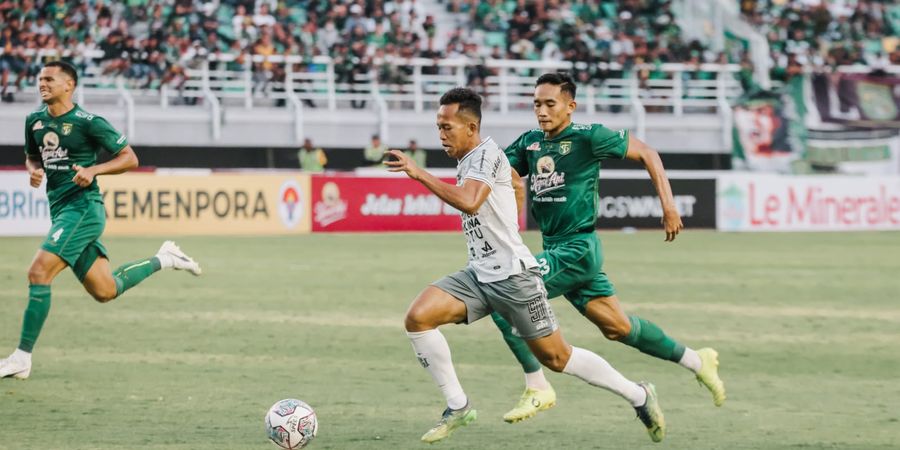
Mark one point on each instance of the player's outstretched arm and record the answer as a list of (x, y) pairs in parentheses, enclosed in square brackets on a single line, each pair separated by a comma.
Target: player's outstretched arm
[(124, 161), (467, 198), (644, 154)]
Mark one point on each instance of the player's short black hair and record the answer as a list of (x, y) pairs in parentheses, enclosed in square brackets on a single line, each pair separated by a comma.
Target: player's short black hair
[(67, 68), (563, 80), (467, 100)]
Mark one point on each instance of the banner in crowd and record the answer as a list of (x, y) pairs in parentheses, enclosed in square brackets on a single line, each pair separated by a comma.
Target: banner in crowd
[(876, 156), (24, 210), (859, 100), (769, 132), (212, 204), (351, 203), (755, 202)]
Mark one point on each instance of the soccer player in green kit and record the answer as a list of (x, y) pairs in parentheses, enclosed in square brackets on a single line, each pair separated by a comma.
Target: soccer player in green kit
[(562, 160), (62, 141)]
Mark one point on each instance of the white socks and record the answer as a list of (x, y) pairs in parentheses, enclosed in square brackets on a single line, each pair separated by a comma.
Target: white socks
[(165, 260), (21, 354), (434, 354), (596, 371), (690, 360), (536, 380)]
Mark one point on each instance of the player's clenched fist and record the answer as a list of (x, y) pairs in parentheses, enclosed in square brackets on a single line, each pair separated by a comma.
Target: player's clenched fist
[(37, 176), (84, 176)]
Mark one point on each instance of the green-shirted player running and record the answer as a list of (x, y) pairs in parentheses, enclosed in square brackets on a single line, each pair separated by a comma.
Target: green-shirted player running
[(62, 140), (562, 160)]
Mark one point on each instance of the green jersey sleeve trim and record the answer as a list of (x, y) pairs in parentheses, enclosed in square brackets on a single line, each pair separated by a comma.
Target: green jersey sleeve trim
[(515, 153), (103, 133), (609, 144), (31, 147)]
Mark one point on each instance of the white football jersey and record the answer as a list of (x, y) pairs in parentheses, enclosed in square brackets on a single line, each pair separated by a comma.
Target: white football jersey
[(496, 250)]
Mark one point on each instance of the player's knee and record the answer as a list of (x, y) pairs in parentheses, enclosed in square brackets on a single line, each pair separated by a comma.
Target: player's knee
[(103, 295), (555, 361), (416, 320), (616, 331), (37, 274)]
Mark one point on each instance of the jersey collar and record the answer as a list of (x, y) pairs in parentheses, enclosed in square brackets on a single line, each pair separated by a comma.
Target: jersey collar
[(565, 133)]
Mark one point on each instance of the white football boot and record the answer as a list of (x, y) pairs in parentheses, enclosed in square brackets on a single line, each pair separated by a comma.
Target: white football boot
[(18, 365), (179, 260)]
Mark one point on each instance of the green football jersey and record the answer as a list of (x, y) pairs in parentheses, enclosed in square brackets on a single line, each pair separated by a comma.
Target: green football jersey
[(72, 138), (563, 173)]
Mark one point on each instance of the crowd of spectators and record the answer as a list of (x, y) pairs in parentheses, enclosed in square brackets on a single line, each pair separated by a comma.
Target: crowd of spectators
[(153, 42), (826, 33)]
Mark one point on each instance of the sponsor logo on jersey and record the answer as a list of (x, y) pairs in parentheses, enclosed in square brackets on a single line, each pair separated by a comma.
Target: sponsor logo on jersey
[(332, 208), (290, 204), (66, 129), (37, 126), (546, 166), (565, 147), (534, 147), (580, 127), (546, 179), (51, 153), (621, 134), (84, 115)]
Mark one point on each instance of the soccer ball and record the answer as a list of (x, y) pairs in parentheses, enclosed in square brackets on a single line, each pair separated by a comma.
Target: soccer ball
[(291, 424)]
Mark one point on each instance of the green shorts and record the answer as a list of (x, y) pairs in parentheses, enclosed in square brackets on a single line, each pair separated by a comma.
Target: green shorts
[(74, 235), (573, 266)]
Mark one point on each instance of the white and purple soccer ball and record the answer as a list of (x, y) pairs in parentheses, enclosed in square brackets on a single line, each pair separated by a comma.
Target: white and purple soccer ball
[(291, 424)]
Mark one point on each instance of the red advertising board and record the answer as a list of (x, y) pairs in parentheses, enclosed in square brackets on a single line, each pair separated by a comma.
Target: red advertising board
[(351, 203)]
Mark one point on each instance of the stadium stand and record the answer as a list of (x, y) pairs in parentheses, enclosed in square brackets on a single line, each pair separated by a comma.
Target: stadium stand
[(246, 59)]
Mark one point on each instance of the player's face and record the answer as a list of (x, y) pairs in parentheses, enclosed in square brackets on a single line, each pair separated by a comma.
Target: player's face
[(552, 107), (455, 130), (54, 84)]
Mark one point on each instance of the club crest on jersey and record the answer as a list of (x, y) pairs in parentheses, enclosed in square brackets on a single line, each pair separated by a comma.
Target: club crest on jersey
[(534, 147), (565, 147), (37, 126), (66, 129)]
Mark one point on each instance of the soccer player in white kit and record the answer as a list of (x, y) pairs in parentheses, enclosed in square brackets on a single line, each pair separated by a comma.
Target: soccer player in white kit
[(501, 275)]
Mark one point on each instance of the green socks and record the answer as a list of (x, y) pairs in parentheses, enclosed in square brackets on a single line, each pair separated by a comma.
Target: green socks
[(652, 340), (35, 315), (129, 275), (518, 346)]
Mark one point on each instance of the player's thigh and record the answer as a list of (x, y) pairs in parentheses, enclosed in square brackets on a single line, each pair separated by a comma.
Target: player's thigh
[(522, 300), (452, 299), (45, 267), (568, 265), (598, 287), (98, 280)]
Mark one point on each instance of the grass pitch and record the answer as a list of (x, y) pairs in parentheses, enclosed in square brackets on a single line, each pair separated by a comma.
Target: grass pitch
[(807, 327)]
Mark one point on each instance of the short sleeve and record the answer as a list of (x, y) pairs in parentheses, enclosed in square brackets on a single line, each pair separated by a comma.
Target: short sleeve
[(106, 136), (515, 153), (31, 147), (486, 166), (608, 144)]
